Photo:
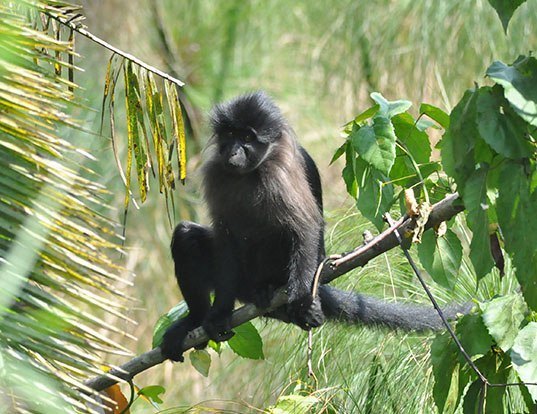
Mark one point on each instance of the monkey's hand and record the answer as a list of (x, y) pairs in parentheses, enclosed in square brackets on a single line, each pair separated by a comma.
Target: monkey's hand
[(172, 342), (306, 313), (218, 327)]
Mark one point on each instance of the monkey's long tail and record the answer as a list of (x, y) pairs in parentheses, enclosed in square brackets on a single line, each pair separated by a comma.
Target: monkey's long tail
[(356, 308)]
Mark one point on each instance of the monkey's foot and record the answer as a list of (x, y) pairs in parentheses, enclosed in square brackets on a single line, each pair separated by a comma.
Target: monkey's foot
[(306, 315), (172, 342), (218, 329)]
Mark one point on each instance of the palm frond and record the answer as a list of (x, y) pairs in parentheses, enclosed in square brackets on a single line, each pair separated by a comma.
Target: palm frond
[(57, 249)]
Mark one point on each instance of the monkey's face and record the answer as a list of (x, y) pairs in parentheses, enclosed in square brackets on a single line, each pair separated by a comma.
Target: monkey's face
[(240, 150)]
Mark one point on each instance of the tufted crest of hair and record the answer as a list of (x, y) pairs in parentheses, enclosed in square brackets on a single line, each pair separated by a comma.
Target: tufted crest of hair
[(255, 111)]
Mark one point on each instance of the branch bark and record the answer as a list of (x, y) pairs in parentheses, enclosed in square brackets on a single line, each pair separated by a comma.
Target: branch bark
[(441, 211)]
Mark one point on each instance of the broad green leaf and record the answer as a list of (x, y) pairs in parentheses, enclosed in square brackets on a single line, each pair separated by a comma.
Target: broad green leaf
[(460, 139), (415, 141), (524, 356), (375, 143), (389, 109), (446, 373), (375, 197), (441, 257), (502, 317), (153, 392), (518, 81), (505, 10), (474, 336), (499, 126), (435, 114), (179, 311), (516, 215), (201, 360), (246, 342), (476, 204)]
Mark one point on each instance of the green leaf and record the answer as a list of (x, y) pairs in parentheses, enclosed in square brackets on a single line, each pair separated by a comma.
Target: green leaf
[(441, 257), (499, 126), (518, 81), (505, 10), (435, 114), (247, 342), (476, 203), (348, 172), (472, 398), (389, 109), (179, 311), (502, 317), (446, 373), (376, 143), (375, 197), (516, 215), (368, 113), (339, 152), (460, 139), (524, 356), (474, 336), (415, 141), (153, 392), (201, 360)]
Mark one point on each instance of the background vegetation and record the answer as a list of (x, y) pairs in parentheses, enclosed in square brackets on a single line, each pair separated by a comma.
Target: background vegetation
[(320, 63)]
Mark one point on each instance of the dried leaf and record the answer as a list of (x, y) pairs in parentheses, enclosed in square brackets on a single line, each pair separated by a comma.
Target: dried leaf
[(178, 127)]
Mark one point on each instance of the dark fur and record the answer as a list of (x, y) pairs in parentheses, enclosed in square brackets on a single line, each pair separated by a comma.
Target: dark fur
[(264, 196)]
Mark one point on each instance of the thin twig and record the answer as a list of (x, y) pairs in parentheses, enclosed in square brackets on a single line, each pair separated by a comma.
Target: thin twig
[(114, 49), (314, 291)]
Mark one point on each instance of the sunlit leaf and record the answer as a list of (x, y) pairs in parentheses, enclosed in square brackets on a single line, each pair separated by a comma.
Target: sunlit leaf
[(503, 316), (518, 81), (524, 356), (201, 360), (247, 342)]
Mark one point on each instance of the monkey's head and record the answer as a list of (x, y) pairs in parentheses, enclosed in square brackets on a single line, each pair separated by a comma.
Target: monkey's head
[(244, 130)]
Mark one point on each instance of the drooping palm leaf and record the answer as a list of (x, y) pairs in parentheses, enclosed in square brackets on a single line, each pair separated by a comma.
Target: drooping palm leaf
[(57, 250)]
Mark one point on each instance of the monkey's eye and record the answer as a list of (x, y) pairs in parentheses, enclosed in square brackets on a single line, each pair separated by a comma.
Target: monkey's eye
[(229, 134), (249, 137)]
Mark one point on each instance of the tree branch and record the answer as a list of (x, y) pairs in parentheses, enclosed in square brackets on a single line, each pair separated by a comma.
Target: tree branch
[(79, 29), (441, 211)]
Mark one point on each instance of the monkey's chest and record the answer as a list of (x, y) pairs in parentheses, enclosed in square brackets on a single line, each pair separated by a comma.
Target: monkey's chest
[(263, 260)]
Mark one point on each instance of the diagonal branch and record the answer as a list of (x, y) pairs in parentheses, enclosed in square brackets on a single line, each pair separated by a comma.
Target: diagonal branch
[(81, 30), (441, 211)]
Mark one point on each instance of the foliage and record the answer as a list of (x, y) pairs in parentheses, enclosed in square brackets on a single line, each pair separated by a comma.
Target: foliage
[(57, 249), (488, 154)]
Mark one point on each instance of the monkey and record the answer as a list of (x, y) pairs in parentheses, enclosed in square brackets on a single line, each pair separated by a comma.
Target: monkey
[(264, 197)]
